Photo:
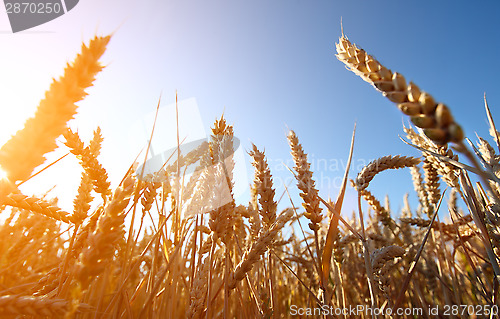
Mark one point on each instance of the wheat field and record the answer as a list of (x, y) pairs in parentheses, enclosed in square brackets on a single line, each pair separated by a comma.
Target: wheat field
[(140, 255)]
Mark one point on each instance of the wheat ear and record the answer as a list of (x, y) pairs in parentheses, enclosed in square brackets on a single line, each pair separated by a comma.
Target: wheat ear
[(259, 246), (26, 149), (36, 205), (381, 164), (381, 267), (431, 186), (109, 230), (89, 162), (448, 171), (198, 292), (36, 306), (419, 186), (263, 185), (434, 118), (309, 193), (221, 151), (84, 198)]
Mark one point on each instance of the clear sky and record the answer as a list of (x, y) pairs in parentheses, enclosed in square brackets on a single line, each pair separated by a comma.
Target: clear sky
[(269, 66)]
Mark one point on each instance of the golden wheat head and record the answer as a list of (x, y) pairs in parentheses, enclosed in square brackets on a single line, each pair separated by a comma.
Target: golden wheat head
[(434, 118)]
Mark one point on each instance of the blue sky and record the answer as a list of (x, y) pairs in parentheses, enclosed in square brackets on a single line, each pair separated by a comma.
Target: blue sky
[(269, 66)]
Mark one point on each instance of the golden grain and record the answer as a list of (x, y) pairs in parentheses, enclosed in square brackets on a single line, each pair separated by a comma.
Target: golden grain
[(247, 261), (424, 112)]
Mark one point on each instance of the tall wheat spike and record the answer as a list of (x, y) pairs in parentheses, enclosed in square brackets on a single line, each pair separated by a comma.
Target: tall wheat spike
[(221, 151), (26, 149), (263, 184), (306, 184)]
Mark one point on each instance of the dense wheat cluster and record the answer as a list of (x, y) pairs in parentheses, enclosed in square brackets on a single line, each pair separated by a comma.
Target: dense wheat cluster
[(160, 246)]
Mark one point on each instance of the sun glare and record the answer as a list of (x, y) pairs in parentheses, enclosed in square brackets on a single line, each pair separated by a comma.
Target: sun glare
[(3, 175)]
